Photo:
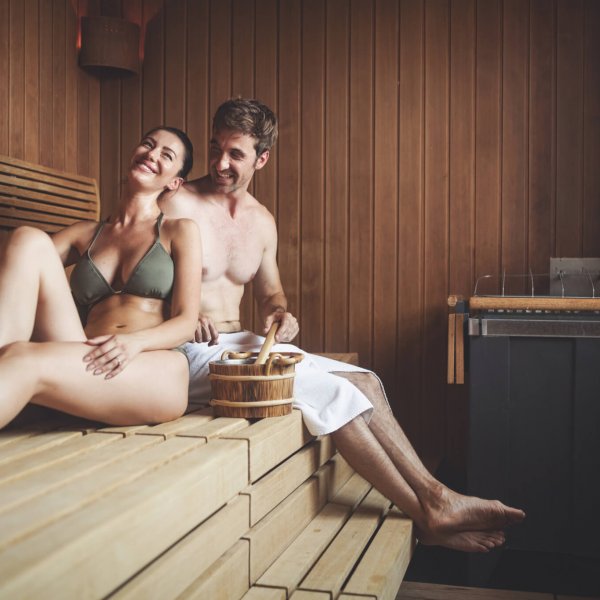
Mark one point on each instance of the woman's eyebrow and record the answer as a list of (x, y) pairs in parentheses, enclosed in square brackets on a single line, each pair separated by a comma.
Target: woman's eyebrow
[(170, 150)]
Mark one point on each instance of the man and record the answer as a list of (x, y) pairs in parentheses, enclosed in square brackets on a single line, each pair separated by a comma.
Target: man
[(239, 240)]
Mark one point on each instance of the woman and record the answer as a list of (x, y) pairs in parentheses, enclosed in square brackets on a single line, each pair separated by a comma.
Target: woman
[(136, 285)]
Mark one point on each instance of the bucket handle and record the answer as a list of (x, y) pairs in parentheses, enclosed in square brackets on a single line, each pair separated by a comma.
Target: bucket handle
[(275, 358)]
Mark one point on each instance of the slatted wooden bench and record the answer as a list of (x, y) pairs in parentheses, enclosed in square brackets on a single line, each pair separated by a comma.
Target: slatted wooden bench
[(42, 197), (200, 507)]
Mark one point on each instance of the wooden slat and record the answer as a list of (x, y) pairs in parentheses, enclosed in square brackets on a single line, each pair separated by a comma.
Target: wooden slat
[(15, 78), (178, 568), (460, 349), (34, 445), (264, 593), (28, 206), (294, 563), (108, 545), (4, 68), (227, 578), (451, 347), (32, 81), (338, 474), (411, 590), (305, 595), (274, 533), (352, 492), (336, 563), (219, 427), (178, 426), (59, 48), (532, 303), (381, 570), (220, 53), (175, 59), (271, 441), (277, 485), (16, 217)]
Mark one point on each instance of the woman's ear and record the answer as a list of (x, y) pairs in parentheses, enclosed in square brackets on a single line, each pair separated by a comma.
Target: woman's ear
[(175, 184)]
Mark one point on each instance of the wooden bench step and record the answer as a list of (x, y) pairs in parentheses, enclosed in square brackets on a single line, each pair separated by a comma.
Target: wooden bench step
[(428, 591)]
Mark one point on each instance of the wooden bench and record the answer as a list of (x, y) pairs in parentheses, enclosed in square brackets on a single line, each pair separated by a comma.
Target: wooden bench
[(200, 507), (42, 197)]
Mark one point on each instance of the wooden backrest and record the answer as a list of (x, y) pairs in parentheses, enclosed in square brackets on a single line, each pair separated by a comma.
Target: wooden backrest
[(46, 198)]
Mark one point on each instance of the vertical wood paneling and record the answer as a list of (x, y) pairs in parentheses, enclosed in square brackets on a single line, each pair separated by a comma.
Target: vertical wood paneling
[(360, 302), (462, 191), (541, 136), (16, 82), (410, 216), (175, 65), (220, 52), (569, 128), (32, 78), (488, 125), (422, 143), (385, 188), (591, 131), (289, 153), (436, 220), (336, 177), (59, 49), (514, 137), (4, 62), (198, 119), (312, 174)]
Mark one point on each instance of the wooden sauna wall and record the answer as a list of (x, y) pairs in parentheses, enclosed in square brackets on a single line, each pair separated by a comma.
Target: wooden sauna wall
[(422, 143), (50, 108)]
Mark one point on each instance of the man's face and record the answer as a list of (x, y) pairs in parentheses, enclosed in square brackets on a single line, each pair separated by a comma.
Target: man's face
[(233, 160)]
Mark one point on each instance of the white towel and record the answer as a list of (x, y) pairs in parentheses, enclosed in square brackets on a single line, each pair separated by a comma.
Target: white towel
[(327, 402)]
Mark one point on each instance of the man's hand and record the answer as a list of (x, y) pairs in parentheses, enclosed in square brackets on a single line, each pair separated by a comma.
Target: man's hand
[(206, 331), (112, 354), (288, 326)]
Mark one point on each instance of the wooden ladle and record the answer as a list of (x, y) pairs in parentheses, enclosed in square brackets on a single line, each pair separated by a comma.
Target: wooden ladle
[(261, 359)]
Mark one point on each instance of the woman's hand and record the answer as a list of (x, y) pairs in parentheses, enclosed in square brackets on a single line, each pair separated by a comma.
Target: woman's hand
[(112, 354)]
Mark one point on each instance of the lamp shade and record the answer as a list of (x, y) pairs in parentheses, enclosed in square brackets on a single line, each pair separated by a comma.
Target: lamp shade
[(109, 45)]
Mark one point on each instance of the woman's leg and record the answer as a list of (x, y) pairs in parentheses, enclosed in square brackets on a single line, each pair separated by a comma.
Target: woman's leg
[(152, 389), (36, 300)]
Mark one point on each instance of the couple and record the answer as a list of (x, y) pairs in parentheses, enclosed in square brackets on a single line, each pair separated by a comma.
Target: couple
[(125, 358)]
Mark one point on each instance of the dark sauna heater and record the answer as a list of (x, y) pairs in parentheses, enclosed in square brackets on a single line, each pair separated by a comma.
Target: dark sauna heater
[(532, 357)]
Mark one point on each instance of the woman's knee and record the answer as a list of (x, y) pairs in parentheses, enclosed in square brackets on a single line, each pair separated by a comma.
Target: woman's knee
[(29, 241)]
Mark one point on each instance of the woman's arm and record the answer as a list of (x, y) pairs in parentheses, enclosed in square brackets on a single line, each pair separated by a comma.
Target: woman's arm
[(69, 240), (114, 352)]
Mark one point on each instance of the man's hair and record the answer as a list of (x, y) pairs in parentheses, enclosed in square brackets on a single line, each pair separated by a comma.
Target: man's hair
[(188, 156), (250, 117)]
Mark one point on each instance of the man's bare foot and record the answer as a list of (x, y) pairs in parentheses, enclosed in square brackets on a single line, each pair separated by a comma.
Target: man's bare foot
[(465, 541), (449, 512)]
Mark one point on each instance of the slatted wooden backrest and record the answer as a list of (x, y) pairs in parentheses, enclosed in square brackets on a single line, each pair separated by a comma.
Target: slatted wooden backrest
[(46, 198)]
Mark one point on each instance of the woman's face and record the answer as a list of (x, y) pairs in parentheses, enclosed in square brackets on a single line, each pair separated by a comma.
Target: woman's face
[(157, 160)]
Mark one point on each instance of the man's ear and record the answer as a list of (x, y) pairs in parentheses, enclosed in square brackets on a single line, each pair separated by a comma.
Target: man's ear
[(175, 184), (261, 161)]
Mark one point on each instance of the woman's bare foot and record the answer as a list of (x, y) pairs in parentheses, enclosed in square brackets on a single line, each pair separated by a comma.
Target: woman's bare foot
[(465, 541), (450, 512)]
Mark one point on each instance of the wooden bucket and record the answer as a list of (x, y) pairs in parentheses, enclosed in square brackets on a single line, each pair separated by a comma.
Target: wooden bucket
[(241, 388)]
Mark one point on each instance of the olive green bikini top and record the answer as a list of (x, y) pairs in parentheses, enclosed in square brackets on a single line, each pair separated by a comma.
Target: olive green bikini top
[(151, 278)]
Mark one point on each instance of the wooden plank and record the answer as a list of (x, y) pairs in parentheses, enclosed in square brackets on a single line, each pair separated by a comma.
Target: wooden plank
[(307, 595), (153, 72), (436, 165), (16, 78), (178, 426), (28, 206), (275, 532), (174, 571), (71, 68), (110, 148), (270, 441), (34, 445), (79, 487), (288, 183), (197, 85), (220, 53), (335, 564), (227, 578), (32, 81), (45, 89), (529, 303), (295, 562), (175, 61), (31, 463), (591, 130), (352, 492), (338, 474), (312, 175), (242, 46), (337, 99), (488, 98), (542, 136), (219, 427), (110, 546), (264, 593), (4, 68), (20, 217), (410, 217), (59, 48), (385, 191), (460, 359), (277, 485), (381, 570), (451, 347), (569, 127), (412, 590), (360, 178), (515, 126)]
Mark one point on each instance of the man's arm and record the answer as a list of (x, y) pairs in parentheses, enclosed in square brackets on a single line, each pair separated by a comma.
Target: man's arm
[(268, 291)]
